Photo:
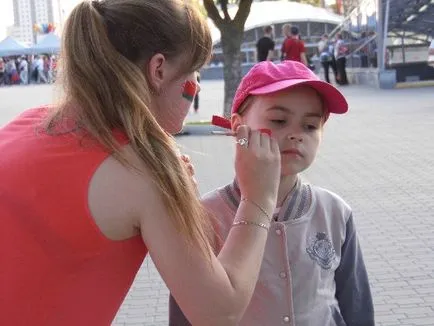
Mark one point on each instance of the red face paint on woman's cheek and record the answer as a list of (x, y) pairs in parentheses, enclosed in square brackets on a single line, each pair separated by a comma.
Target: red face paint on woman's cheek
[(189, 90)]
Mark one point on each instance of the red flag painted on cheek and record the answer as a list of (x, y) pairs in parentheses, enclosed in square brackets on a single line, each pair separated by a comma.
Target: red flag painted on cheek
[(189, 90)]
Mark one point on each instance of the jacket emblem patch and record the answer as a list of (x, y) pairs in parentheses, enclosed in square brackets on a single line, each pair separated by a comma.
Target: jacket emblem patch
[(320, 250)]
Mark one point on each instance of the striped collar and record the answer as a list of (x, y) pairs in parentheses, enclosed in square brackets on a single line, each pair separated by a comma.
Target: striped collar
[(295, 205)]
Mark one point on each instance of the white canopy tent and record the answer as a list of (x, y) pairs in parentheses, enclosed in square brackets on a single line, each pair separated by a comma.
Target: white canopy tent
[(275, 12), (11, 47), (49, 44)]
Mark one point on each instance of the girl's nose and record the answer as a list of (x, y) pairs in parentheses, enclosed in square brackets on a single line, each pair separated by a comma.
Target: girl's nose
[(295, 138)]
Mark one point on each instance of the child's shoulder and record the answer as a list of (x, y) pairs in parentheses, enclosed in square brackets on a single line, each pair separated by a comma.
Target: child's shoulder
[(221, 208), (327, 198), (212, 195), (216, 198)]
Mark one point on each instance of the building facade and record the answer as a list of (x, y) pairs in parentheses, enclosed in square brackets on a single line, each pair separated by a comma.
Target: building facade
[(27, 13)]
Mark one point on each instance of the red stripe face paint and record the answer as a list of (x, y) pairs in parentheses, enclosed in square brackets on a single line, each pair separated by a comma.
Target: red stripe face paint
[(266, 131), (189, 90)]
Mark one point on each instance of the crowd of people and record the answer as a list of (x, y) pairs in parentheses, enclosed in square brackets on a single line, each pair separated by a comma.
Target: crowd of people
[(23, 70)]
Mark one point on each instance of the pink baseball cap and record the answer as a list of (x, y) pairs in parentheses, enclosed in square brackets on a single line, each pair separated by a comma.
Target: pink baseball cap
[(267, 77)]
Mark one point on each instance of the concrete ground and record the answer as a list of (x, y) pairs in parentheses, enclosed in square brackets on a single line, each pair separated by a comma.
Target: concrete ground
[(379, 157)]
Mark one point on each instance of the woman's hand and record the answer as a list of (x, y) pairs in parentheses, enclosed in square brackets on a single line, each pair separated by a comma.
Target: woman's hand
[(190, 167)]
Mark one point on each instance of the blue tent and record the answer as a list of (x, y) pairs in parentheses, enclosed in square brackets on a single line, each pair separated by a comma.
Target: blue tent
[(49, 44), (11, 47)]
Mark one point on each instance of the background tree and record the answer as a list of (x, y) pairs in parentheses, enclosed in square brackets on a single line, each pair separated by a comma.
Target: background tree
[(232, 32)]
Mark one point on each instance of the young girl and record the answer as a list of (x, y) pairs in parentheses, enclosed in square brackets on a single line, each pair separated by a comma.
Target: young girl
[(92, 184), (313, 272)]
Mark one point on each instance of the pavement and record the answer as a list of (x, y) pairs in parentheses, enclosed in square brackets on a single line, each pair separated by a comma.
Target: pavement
[(379, 157)]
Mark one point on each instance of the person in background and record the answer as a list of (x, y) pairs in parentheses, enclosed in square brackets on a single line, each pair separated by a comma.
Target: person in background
[(293, 48), (286, 33), (24, 70), (2, 71), (364, 51), (40, 66), (341, 51), (327, 57), (265, 45), (34, 69), (372, 50), (12, 76), (196, 97)]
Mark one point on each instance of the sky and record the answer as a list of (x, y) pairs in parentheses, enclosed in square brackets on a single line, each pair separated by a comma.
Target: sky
[(7, 18)]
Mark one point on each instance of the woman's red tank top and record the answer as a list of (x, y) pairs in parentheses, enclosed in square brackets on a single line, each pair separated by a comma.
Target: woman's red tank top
[(56, 267)]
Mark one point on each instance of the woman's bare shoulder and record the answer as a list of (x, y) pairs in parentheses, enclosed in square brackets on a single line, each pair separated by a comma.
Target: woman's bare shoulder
[(116, 194)]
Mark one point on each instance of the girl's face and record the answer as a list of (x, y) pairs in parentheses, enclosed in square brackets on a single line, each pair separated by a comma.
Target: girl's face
[(295, 116)]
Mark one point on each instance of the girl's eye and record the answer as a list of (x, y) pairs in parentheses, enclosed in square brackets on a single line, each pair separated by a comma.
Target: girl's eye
[(278, 121), (311, 127)]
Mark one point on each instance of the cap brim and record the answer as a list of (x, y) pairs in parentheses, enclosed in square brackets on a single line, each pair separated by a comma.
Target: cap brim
[(334, 101)]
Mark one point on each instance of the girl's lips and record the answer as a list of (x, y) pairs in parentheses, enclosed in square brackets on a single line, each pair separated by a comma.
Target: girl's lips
[(291, 152)]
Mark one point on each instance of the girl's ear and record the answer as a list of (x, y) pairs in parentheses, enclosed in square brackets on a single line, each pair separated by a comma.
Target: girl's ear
[(236, 121)]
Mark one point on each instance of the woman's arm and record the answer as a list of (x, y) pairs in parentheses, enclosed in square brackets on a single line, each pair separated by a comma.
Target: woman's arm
[(215, 292)]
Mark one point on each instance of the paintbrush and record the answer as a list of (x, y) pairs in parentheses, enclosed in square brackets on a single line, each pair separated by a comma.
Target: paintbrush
[(224, 133), (232, 133)]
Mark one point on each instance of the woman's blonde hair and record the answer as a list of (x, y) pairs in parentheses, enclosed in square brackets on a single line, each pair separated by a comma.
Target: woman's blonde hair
[(105, 46)]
